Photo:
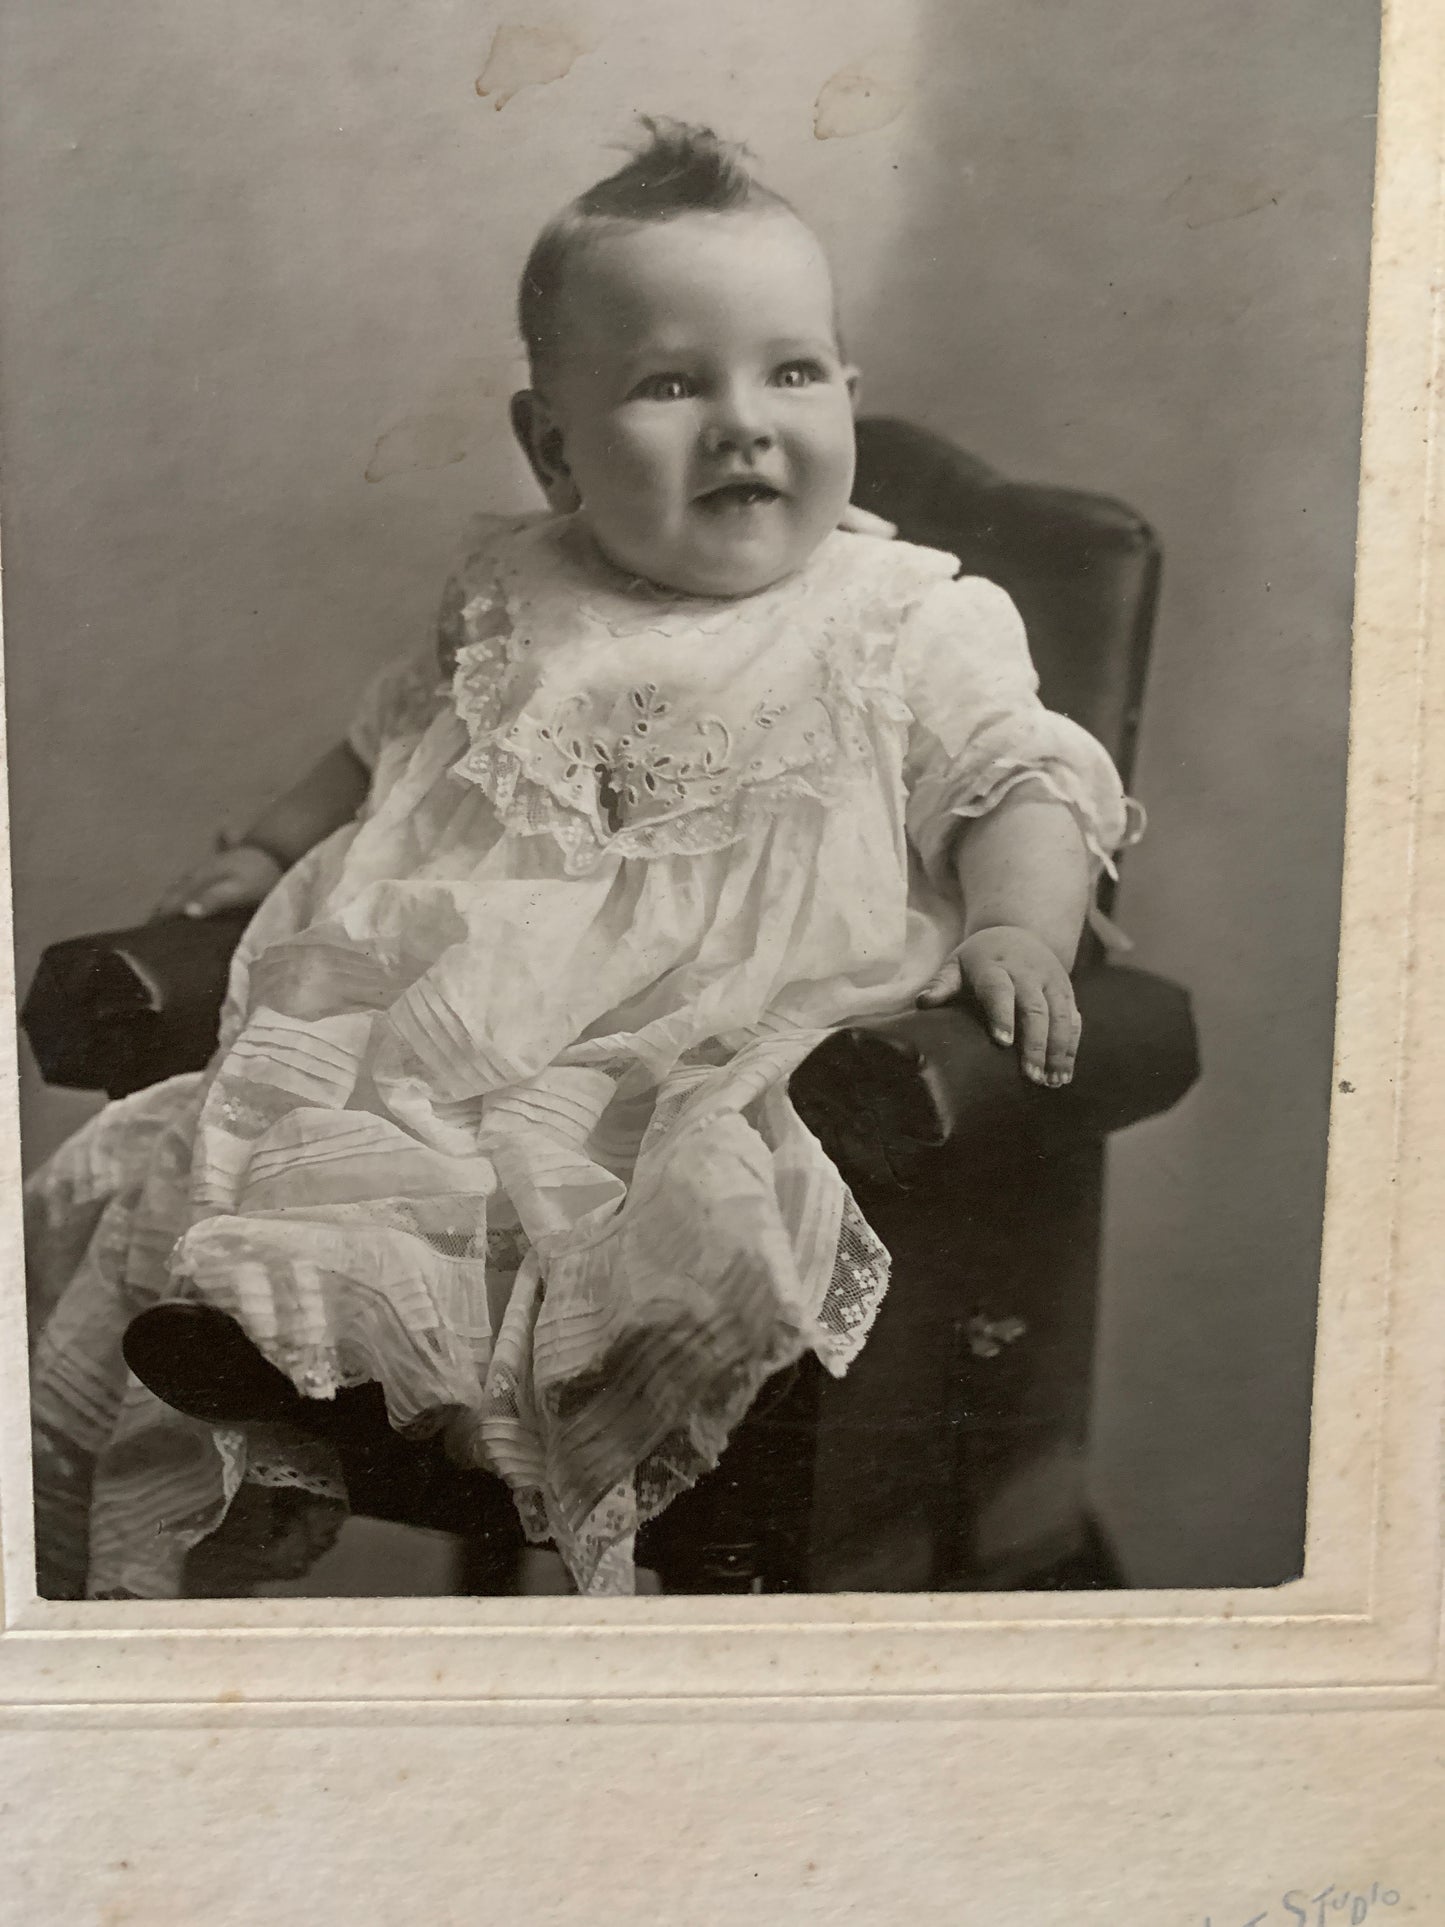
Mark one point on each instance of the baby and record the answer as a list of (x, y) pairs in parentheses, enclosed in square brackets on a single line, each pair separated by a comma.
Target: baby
[(692, 774)]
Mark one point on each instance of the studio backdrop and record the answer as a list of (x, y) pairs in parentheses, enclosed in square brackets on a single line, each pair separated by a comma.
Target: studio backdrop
[(256, 318)]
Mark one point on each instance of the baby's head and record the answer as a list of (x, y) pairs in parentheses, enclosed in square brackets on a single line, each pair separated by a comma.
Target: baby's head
[(689, 396)]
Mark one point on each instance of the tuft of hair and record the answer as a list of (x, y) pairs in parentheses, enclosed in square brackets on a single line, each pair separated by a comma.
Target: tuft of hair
[(682, 169)]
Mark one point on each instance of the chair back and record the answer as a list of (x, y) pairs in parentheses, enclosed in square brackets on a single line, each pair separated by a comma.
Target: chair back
[(1083, 569)]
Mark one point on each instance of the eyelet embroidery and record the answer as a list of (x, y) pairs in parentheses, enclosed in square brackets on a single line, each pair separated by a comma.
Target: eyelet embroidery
[(642, 767)]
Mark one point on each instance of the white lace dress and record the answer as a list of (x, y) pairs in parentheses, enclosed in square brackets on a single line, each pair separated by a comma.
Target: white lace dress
[(499, 1116)]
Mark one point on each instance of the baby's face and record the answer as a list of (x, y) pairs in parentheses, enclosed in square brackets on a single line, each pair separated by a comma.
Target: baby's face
[(701, 407)]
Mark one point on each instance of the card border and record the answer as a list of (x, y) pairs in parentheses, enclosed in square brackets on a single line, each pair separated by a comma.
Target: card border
[(1362, 1626)]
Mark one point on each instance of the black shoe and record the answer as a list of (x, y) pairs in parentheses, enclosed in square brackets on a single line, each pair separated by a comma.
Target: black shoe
[(200, 1362)]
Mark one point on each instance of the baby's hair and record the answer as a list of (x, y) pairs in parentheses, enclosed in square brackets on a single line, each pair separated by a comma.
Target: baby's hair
[(682, 170)]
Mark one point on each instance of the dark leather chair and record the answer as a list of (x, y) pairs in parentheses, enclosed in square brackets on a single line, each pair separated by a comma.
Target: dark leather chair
[(953, 1454)]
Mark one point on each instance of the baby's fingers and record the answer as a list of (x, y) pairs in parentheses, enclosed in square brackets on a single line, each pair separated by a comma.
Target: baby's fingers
[(209, 898), (185, 890), (170, 904), (1033, 1030), (994, 989), (943, 986), (1065, 1026)]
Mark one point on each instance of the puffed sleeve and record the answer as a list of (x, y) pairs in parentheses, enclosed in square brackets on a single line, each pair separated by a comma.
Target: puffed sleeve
[(398, 702), (979, 730), (404, 697)]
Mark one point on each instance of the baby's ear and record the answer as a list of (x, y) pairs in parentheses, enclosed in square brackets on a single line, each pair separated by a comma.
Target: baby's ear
[(540, 440)]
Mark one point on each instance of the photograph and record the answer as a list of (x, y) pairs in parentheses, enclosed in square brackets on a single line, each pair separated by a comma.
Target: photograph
[(678, 691)]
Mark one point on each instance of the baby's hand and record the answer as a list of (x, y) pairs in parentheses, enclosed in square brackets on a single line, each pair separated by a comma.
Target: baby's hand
[(1024, 993), (229, 879)]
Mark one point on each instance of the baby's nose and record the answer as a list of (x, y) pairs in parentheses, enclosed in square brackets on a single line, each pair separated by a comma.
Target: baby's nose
[(738, 427)]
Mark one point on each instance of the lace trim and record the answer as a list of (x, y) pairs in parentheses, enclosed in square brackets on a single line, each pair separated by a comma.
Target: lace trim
[(1066, 787), (861, 1271), (598, 1550), (696, 830), (1004, 774), (283, 1459), (651, 779)]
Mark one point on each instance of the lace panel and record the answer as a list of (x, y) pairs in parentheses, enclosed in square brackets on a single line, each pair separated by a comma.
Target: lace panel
[(648, 768), (598, 1552)]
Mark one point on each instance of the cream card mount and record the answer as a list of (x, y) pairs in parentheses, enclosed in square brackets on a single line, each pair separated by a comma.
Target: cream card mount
[(1362, 1626)]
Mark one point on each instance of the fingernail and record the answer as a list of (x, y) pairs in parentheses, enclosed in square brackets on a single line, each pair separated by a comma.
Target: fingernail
[(193, 910), (1004, 1037)]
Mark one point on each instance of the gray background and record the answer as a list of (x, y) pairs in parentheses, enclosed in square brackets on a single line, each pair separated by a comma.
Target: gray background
[(255, 320)]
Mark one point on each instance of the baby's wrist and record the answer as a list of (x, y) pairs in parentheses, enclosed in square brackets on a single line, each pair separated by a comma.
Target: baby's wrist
[(999, 927), (1020, 940)]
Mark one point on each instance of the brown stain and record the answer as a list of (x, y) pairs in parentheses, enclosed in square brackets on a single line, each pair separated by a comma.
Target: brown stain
[(858, 99), (443, 430), (231, 1697), (421, 442), (523, 56)]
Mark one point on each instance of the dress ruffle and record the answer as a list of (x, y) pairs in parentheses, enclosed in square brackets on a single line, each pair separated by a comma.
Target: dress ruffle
[(499, 1115)]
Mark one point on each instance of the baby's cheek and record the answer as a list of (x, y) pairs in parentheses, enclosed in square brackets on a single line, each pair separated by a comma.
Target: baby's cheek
[(649, 447), (822, 502), (826, 462), (623, 487)]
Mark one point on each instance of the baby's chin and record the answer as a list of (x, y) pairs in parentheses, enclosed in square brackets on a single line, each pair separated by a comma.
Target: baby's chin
[(728, 582), (722, 570)]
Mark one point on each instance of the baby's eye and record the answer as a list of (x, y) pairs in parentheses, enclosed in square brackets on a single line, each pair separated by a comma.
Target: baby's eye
[(670, 387), (800, 374)]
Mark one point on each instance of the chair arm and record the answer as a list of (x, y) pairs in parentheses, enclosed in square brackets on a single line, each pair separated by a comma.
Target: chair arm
[(126, 1008), (123, 1009), (881, 1097)]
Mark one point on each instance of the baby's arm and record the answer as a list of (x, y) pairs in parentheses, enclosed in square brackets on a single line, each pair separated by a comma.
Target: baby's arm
[(1025, 875), (240, 873)]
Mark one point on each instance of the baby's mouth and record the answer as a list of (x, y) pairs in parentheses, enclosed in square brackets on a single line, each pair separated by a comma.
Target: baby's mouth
[(738, 495)]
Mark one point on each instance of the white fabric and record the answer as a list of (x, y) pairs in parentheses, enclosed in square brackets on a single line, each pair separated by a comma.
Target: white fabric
[(499, 1116)]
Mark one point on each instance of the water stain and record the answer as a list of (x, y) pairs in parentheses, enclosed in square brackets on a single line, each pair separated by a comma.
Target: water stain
[(424, 441), (445, 427), (526, 57), (859, 99)]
